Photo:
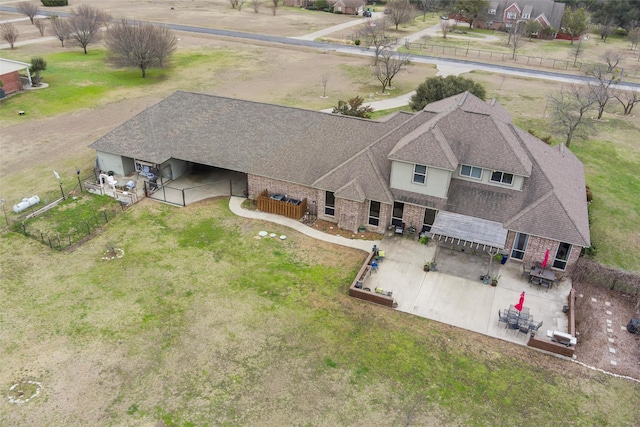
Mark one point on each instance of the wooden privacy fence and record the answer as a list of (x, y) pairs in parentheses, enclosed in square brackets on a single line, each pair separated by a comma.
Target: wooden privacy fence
[(281, 207)]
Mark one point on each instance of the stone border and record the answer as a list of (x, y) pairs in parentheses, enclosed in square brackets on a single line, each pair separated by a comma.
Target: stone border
[(19, 401)]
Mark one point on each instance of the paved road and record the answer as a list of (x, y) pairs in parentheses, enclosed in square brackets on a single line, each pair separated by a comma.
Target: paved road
[(353, 50)]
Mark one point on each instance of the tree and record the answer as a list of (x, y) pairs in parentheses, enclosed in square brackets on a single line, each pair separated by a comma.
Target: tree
[(634, 38), (516, 38), (426, 6), (256, 5), (444, 26), (28, 9), (38, 64), (325, 81), (9, 33), (472, 9), (569, 107), (574, 22), (436, 88), (600, 88), (606, 28), (41, 25), (60, 29), (139, 44), (532, 27), (85, 25), (402, 12), (353, 108), (627, 98), (612, 58), (389, 64), (374, 34), (577, 51), (275, 6)]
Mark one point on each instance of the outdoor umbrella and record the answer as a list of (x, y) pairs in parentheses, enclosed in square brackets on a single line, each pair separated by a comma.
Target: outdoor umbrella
[(520, 303), (546, 259)]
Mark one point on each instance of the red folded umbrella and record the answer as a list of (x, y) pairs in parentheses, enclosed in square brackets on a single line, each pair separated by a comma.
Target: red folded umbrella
[(520, 303), (546, 259)]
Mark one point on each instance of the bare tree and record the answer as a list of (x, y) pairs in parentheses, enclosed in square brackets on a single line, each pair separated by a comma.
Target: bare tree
[(426, 6), (274, 7), (634, 37), (627, 98), (389, 64), (86, 24), (60, 29), (256, 5), (9, 33), (444, 26), (402, 12), (41, 25), (577, 51), (612, 58), (373, 31), (516, 38), (569, 107), (240, 4), (606, 28), (139, 44), (325, 81), (234, 3), (28, 9), (601, 87)]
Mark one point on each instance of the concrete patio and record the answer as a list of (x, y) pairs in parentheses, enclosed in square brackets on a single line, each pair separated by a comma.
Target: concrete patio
[(462, 299)]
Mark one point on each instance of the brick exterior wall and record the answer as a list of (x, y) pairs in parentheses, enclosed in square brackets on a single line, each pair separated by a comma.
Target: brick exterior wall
[(11, 82), (413, 215), (536, 248), (349, 214)]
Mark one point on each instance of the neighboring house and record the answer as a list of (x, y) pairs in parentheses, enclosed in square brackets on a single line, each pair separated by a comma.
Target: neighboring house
[(458, 165), (10, 75), (506, 13)]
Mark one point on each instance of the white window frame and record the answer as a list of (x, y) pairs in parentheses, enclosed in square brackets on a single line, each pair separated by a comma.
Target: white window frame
[(515, 251), (559, 261), (526, 16), (492, 11), (374, 220), (501, 181), (329, 208), (422, 174), (471, 170), (512, 15)]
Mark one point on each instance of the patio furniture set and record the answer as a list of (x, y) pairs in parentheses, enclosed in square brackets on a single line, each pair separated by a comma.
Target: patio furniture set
[(540, 276), (520, 321)]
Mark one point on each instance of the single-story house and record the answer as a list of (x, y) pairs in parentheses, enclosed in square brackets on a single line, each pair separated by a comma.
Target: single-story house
[(458, 169), (347, 7), (10, 75), (506, 13)]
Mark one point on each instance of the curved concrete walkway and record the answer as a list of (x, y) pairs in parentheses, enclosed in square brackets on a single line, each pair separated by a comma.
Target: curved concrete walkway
[(235, 204)]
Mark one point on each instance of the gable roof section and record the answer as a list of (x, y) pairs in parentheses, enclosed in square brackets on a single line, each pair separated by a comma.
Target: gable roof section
[(465, 130), (285, 143)]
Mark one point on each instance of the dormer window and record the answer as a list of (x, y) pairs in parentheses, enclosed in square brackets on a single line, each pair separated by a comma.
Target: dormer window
[(526, 16), (502, 178), (492, 11), (471, 171), (511, 15), (419, 174)]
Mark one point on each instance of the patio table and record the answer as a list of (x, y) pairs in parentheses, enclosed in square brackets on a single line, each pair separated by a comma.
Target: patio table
[(544, 274)]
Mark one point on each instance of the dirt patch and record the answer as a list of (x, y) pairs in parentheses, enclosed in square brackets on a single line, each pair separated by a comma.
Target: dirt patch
[(334, 230), (602, 317)]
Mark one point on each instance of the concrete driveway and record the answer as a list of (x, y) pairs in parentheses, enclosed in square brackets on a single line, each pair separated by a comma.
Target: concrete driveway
[(464, 301)]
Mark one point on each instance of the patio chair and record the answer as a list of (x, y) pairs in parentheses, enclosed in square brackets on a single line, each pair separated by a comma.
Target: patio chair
[(526, 273), (399, 229), (512, 321), (545, 284), (534, 328), (535, 280), (524, 328), (502, 316)]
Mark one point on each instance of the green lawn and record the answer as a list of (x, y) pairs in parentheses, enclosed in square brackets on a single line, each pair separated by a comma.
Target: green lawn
[(201, 322)]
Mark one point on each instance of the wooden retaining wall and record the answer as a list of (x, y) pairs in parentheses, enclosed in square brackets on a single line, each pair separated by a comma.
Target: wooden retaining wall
[(280, 207), (545, 343), (370, 295)]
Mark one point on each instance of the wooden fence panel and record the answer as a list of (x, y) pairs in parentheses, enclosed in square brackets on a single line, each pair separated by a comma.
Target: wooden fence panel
[(280, 207)]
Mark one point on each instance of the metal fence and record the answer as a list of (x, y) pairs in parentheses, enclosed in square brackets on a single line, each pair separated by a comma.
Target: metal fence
[(423, 46), (80, 230), (169, 193)]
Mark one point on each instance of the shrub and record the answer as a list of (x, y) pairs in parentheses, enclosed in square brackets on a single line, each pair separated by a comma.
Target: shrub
[(50, 3), (357, 42)]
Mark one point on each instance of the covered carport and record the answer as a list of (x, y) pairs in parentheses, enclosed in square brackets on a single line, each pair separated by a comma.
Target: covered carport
[(462, 238)]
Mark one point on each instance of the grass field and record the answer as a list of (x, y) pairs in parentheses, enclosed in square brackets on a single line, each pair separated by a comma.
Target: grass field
[(202, 323)]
